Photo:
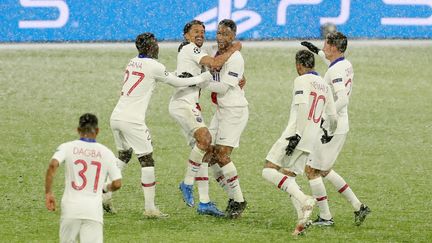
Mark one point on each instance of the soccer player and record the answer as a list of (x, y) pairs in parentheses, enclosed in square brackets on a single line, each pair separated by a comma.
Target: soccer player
[(288, 156), (87, 165), (339, 76), (185, 109), (230, 118), (128, 117)]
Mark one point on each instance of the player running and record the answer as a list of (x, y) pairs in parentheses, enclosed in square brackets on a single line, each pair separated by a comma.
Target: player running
[(288, 156)]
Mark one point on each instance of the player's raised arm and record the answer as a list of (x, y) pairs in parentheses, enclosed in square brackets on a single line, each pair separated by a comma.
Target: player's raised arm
[(311, 47), (218, 61), (49, 196)]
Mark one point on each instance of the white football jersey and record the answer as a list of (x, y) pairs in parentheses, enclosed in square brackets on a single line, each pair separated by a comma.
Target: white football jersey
[(139, 83), (231, 73), (309, 89), (188, 60), (340, 76), (87, 165)]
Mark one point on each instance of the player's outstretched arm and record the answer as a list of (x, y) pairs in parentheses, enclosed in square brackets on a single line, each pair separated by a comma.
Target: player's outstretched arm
[(184, 82), (49, 196), (217, 62)]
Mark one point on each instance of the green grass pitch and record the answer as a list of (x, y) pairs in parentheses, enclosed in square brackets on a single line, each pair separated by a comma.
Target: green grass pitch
[(386, 159)]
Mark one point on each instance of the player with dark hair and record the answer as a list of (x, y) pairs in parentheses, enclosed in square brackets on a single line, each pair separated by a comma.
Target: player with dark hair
[(184, 107), (340, 77), (87, 165), (128, 117), (288, 156), (230, 118)]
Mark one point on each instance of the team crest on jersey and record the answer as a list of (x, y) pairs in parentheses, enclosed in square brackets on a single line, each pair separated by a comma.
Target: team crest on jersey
[(298, 92), (233, 74), (338, 80), (197, 50), (199, 119)]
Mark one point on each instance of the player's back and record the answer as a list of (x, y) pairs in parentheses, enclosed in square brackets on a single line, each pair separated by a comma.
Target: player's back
[(231, 73), (138, 86), (319, 95), (87, 164), (188, 60)]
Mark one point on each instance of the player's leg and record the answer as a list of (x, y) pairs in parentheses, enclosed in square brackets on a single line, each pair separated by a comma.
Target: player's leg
[(91, 231), (323, 159), (197, 135), (231, 123), (212, 159), (203, 142), (361, 210), (229, 171), (69, 230), (148, 183), (124, 156), (320, 194)]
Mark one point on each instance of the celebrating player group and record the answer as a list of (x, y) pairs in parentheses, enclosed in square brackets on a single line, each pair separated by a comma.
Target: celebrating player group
[(315, 134)]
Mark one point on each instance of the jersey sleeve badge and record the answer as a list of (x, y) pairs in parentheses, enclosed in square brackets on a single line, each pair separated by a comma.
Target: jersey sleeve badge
[(197, 50)]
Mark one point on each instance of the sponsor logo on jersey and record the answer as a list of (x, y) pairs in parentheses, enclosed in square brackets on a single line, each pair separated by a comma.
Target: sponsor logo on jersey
[(197, 50), (298, 92), (199, 119), (338, 80), (233, 74)]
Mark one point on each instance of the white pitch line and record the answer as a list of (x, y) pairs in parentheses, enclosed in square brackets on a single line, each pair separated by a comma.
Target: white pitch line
[(253, 44)]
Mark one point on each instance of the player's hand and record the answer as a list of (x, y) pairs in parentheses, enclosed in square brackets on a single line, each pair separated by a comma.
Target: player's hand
[(237, 46), (310, 46), (325, 137), (242, 82), (292, 144), (50, 202)]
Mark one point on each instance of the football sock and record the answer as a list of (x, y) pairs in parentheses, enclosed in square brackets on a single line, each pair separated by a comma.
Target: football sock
[(195, 160), (148, 183), (230, 172), (320, 194), (297, 207), (220, 178), (203, 183), (284, 182), (343, 188)]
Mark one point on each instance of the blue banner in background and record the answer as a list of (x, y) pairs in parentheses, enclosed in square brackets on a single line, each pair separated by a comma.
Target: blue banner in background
[(110, 20)]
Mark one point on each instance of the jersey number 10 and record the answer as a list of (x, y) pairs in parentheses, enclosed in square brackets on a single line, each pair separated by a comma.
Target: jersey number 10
[(317, 107)]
